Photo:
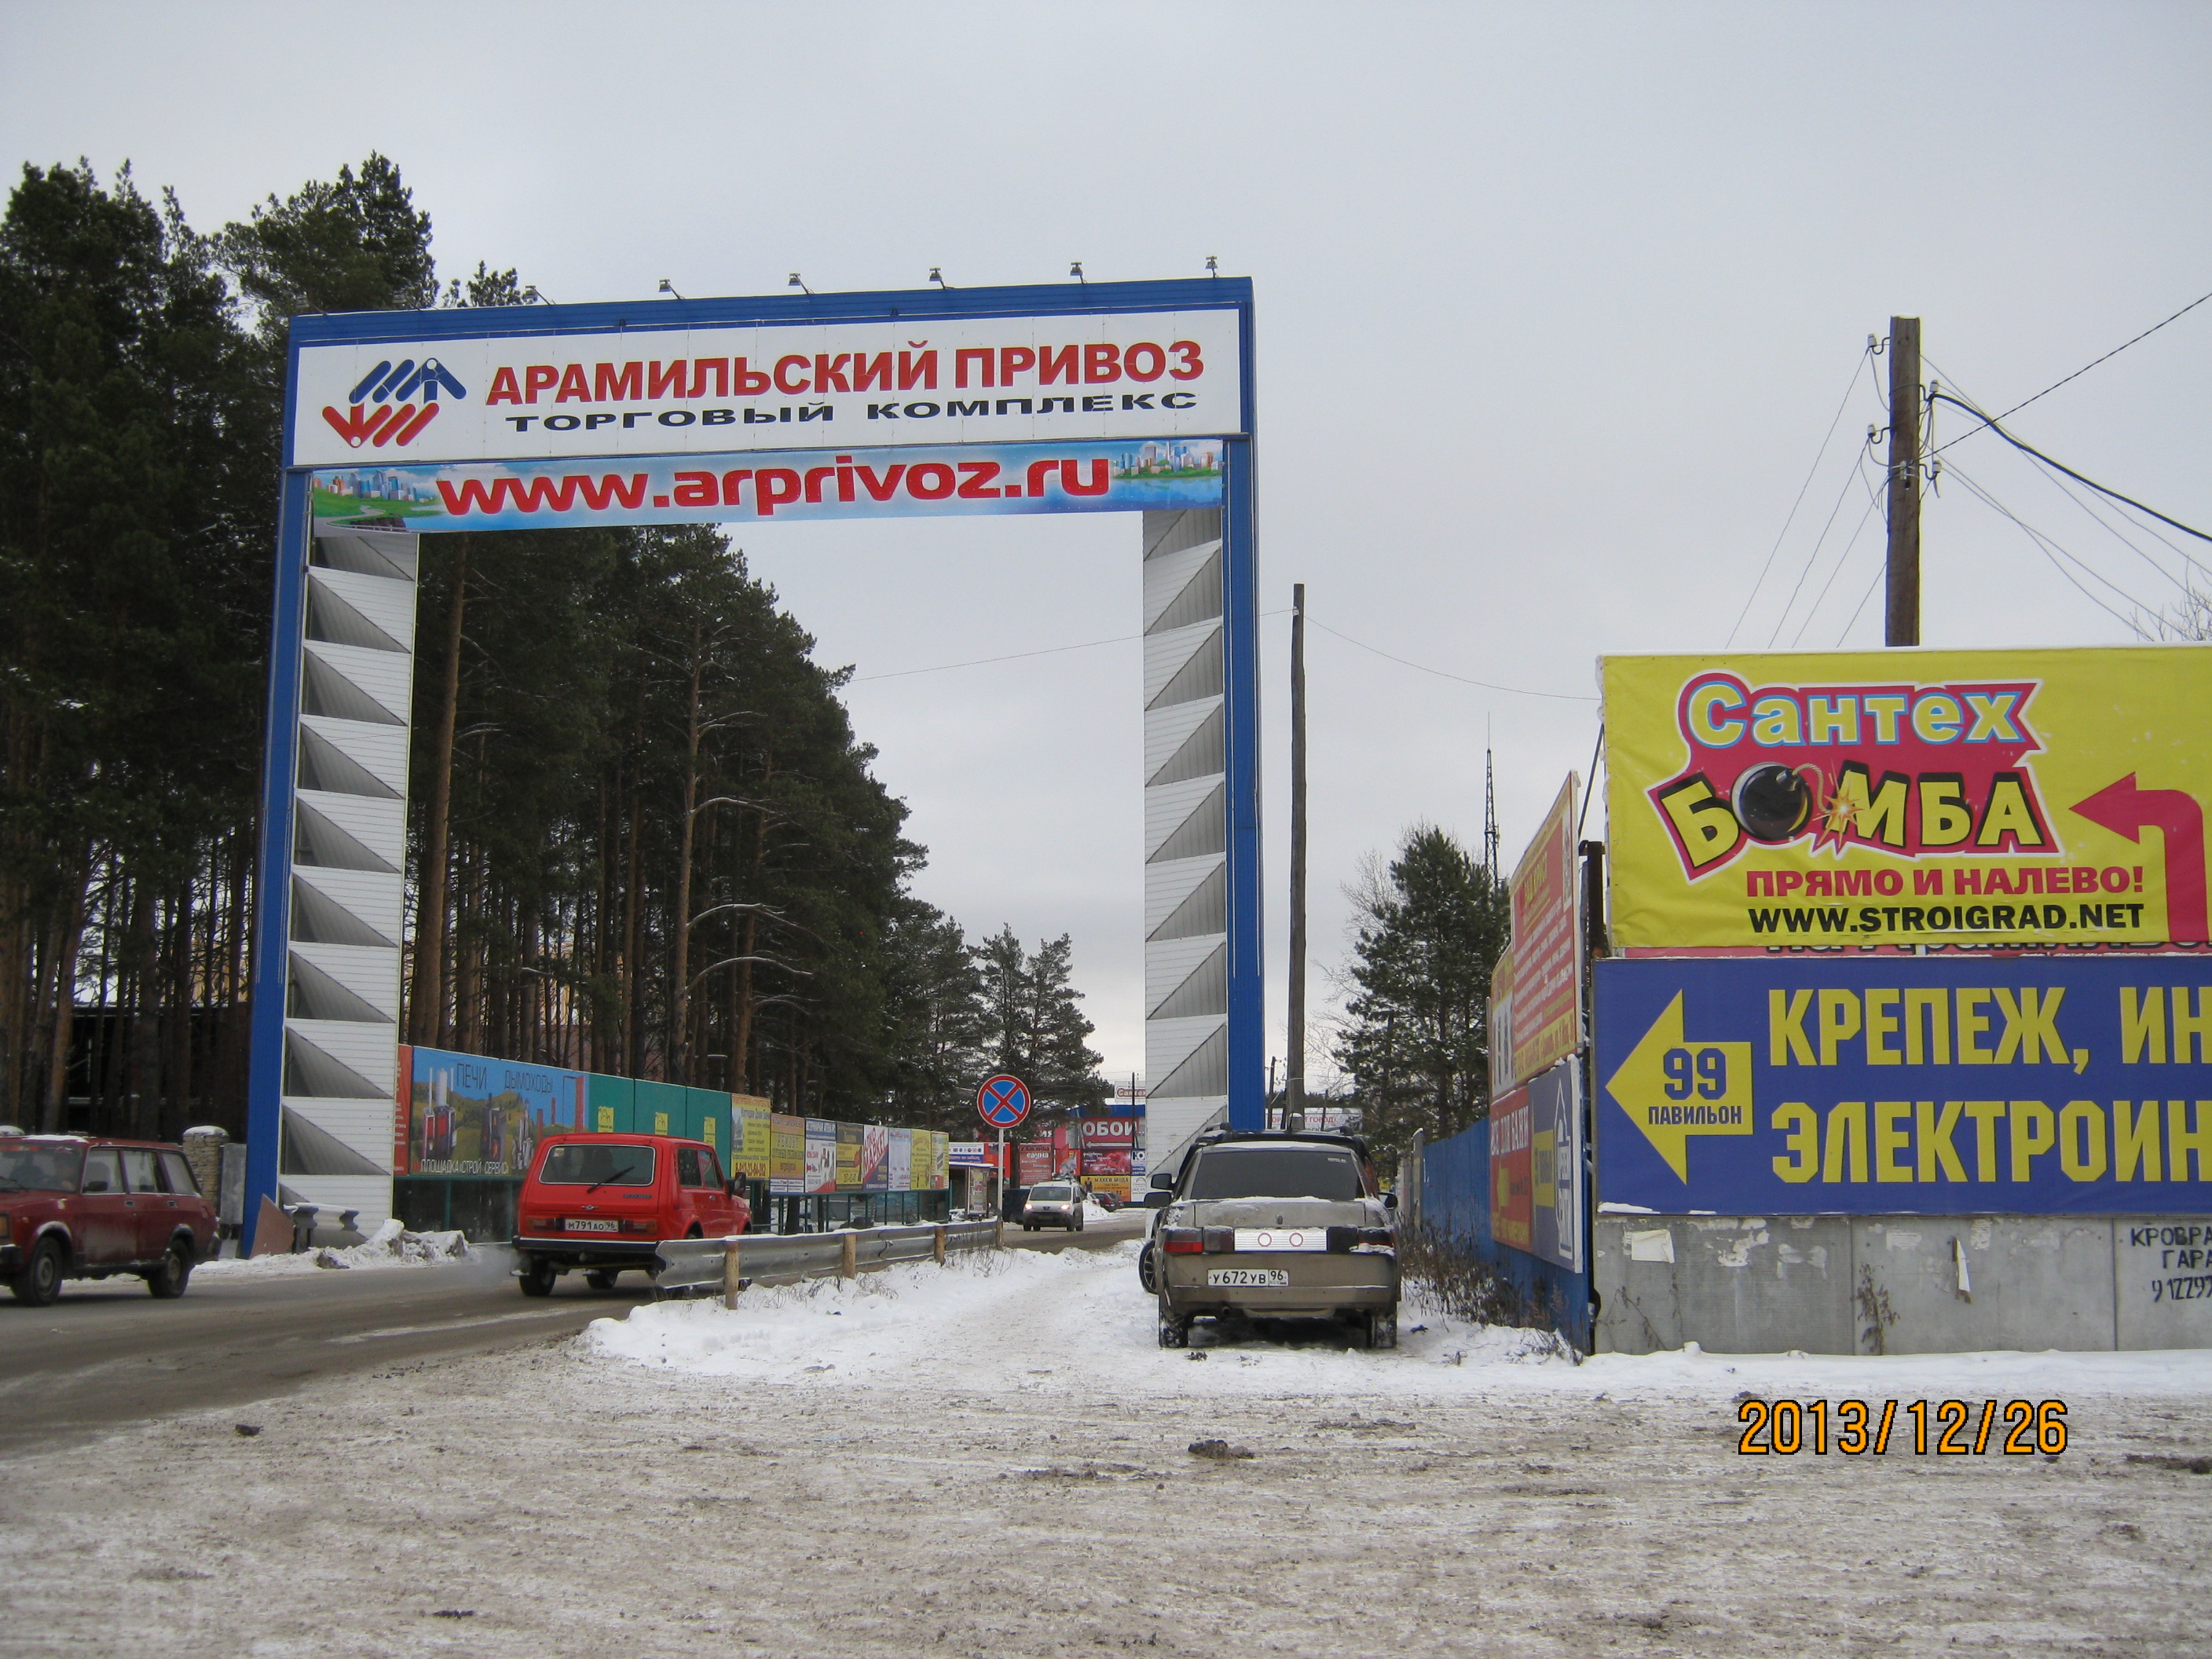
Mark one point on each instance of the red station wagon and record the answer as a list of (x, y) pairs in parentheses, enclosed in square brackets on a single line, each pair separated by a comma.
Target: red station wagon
[(603, 1203), (74, 1208)]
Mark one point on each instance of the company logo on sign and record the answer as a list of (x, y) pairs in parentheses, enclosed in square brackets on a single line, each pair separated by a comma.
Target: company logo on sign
[(1912, 770), (383, 407)]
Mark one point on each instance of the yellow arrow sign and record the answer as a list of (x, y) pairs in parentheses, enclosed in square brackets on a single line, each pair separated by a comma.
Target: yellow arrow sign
[(1673, 1088)]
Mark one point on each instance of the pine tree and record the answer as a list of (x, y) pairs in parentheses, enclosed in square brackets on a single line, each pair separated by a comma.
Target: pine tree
[(126, 711), (1035, 1027), (1415, 1036)]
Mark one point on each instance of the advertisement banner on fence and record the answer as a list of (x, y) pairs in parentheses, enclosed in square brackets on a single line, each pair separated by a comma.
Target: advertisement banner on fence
[(1105, 1163), (1110, 1186), (1033, 1163), (940, 1161), (2053, 1086), (1501, 1061), (2030, 799), (787, 1158), (647, 390), (970, 1154), (920, 482), (849, 1138), (474, 1118), (899, 1168), (821, 1155), (875, 1157), (1555, 1165), (1512, 1179), (1546, 1017), (752, 1137)]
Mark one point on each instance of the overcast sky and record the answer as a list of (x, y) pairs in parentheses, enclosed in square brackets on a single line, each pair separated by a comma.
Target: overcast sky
[(1555, 306)]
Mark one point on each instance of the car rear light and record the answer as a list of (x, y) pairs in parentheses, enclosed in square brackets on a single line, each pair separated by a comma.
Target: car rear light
[(1221, 1241), (1181, 1241)]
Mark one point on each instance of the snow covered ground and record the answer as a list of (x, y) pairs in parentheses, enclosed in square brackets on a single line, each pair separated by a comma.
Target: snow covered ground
[(993, 1459), (1068, 1324)]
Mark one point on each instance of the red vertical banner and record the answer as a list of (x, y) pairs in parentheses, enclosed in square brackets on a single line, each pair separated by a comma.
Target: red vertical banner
[(1512, 1184), (403, 1110)]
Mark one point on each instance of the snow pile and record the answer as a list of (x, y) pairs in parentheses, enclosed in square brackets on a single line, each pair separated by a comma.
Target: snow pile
[(390, 1246), (1078, 1322), (1035, 1321)]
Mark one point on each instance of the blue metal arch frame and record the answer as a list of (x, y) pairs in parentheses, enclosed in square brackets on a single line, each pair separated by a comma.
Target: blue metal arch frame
[(1247, 1042)]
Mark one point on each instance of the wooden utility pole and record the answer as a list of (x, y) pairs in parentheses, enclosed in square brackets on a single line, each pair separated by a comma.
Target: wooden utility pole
[(1294, 1069), (1903, 610)]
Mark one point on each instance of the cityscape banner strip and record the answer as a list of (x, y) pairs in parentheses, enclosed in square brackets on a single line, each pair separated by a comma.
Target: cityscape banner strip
[(444, 394), (2020, 799), (1155, 474), (2078, 1085)]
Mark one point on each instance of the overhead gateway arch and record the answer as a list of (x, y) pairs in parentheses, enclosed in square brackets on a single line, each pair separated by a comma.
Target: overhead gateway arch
[(1132, 397)]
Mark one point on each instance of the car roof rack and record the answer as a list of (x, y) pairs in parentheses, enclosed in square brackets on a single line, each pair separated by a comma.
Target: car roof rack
[(1277, 1137)]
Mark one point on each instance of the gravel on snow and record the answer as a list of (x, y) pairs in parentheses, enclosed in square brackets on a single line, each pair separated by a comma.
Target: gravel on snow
[(994, 1458)]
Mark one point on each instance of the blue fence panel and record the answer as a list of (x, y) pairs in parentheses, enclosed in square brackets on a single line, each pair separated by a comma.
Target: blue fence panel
[(1456, 1204)]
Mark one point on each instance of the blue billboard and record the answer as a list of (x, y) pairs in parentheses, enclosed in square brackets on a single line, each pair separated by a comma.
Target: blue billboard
[(2029, 1084)]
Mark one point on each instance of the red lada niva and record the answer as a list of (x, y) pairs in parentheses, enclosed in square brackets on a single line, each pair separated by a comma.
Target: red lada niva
[(77, 1208), (603, 1202)]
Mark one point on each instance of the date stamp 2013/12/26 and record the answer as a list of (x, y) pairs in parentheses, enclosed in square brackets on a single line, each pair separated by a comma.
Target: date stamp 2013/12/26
[(1856, 1428)]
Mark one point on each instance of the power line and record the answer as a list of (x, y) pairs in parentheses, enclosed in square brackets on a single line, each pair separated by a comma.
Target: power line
[(1865, 356), (1880, 571), (1842, 559), (2099, 520), (2050, 549), (1782, 621), (1015, 656), (1011, 656), (2084, 369), (2060, 480), (1404, 662), (1991, 422)]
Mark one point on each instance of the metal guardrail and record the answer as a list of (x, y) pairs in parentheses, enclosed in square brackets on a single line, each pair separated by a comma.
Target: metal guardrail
[(693, 1265)]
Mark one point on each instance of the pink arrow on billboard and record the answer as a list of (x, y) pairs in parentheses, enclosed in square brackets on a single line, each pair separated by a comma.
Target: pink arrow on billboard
[(2126, 810)]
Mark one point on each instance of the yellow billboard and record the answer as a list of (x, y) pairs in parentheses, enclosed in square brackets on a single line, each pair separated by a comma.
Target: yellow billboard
[(752, 1137), (2026, 799)]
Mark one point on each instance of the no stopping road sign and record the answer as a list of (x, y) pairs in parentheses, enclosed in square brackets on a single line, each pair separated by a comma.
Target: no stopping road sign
[(1004, 1101)]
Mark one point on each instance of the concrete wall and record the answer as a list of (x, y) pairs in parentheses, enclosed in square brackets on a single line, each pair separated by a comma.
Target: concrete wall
[(1934, 1284)]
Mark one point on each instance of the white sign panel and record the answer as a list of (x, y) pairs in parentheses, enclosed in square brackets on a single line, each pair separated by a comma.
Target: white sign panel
[(679, 390)]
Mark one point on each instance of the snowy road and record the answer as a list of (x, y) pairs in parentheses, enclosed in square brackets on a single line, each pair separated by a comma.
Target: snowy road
[(992, 1460)]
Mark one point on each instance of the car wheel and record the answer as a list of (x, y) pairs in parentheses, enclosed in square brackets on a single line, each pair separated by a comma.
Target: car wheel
[(598, 1281), (1174, 1329), (1382, 1330), (168, 1279), (1144, 1268), (537, 1276), (39, 1280)]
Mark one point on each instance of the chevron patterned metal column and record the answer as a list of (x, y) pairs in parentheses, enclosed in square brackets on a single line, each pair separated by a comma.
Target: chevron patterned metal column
[(1186, 833), (340, 948)]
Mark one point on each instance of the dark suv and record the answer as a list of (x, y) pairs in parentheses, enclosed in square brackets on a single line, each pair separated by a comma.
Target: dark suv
[(1275, 1226), (74, 1208)]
